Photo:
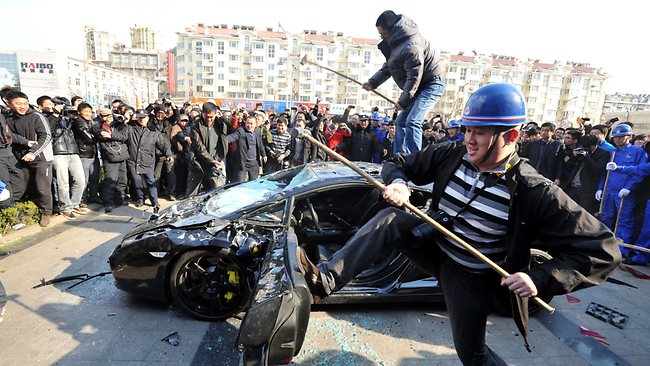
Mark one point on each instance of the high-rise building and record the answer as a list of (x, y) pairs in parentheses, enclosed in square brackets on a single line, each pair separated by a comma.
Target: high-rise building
[(231, 63), (98, 44), (143, 38)]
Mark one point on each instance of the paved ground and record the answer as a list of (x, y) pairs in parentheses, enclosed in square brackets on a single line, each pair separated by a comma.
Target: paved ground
[(96, 324)]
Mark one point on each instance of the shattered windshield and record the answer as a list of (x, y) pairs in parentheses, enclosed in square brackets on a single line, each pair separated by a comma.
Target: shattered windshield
[(255, 192)]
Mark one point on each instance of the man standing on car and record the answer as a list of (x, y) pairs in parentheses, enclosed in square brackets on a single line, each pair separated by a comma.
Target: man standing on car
[(496, 202), (416, 68)]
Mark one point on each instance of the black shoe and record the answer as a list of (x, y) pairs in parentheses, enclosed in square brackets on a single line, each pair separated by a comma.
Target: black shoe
[(172, 198), (139, 203), (156, 209), (311, 274), (108, 208)]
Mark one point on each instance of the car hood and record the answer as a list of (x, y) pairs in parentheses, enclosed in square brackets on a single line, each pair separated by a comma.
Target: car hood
[(186, 213)]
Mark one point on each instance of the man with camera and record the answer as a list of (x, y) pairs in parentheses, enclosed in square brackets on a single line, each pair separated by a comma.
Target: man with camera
[(67, 162), (114, 155), (583, 171), (487, 195), (416, 68)]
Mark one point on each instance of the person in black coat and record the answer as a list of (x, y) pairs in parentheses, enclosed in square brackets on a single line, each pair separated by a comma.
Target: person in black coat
[(583, 180), (83, 128), (250, 153), (115, 155), (363, 143), (542, 153), (142, 143)]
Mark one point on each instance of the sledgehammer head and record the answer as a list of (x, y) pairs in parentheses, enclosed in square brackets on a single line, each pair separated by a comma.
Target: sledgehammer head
[(297, 132), (304, 60)]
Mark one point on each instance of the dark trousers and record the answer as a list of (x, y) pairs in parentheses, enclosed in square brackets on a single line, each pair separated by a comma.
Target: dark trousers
[(208, 178), (114, 181), (12, 175), (586, 199), (150, 180), (468, 295), (181, 169), (249, 171), (38, 180), (165, 169)]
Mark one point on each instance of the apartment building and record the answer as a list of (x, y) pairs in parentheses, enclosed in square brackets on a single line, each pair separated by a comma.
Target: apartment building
[(230, 63)]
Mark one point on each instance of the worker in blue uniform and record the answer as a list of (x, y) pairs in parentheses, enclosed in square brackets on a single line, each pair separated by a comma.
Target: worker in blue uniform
[(621, 185)]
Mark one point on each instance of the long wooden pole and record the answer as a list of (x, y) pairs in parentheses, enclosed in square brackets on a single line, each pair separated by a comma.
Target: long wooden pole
[(602, 197), (502, 272)]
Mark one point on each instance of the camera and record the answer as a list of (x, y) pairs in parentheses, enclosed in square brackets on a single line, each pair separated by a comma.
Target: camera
[(580, 151), (425, 231)]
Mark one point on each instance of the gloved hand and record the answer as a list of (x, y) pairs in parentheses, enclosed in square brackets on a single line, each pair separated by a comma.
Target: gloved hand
[(611, 166), (623, 193), (599, 195)]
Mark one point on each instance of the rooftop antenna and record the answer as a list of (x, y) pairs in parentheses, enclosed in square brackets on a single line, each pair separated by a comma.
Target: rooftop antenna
[(280, 26)]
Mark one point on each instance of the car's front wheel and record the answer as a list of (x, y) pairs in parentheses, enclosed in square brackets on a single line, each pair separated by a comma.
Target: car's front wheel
[(209, 285)]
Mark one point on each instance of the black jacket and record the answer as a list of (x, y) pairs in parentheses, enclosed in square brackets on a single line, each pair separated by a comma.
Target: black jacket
[(543, 156), (6, 138), (239, 156), (362, 144), (86, 140), (410, 60), (541, 216), (593, 168), (32, 126), (142, 143), (111, 148), (199, 135), (63, 141)]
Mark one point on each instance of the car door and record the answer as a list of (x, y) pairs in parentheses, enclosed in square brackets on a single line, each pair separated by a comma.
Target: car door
[(274, 327)]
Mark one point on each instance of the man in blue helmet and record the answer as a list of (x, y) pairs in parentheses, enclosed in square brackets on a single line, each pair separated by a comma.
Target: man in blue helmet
[(495, 201), (620, 186), (416, 68), (454, 132)]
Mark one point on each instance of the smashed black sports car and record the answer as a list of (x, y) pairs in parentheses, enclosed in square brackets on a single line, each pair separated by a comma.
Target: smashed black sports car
[(233, 249)]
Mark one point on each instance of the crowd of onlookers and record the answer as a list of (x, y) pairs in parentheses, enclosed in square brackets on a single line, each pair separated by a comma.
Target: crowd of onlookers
[(63, 154)]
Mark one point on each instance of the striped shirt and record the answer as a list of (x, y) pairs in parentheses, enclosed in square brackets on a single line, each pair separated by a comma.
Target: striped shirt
[(281, 143), (482, 223)]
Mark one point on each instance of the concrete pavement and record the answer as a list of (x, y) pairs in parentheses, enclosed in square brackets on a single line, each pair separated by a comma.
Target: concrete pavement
[(96, 324)]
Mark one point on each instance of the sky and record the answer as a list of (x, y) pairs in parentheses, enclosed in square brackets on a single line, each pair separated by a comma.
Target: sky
[(608, 35)]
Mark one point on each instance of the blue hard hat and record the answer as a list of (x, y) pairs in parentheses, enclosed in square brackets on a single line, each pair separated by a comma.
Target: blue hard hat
[(496, 104), (385, 121), (622, 130), (454, 123), (375, 116)]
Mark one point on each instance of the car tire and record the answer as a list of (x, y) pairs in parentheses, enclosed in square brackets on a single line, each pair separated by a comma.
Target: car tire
[(209, 284), (501, 304)]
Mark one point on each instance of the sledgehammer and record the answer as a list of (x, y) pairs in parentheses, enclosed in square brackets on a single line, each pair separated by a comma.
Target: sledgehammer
[(305, 60), (300, 133)]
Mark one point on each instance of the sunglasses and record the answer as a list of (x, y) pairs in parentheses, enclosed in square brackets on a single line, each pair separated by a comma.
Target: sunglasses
[(106, 115)]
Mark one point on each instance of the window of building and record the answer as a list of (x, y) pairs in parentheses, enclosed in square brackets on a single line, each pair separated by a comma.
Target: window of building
[(220, 89), (258, 58), (319, 54), (208, 69), (208, 81), (270, 79), (463, 73), (294, 46), (331, 50), (451, 69), (233, 82), (534, 88), (258, 46), (221, 63), (220, 76), (233, 44), (366, 57), (305, 86), (354, 65), (350, 101), (450, 81), (247, 43), (355, 52), (536, 76), (199, 63), (207, 42), (199, 88), (271, 51), (546, 80), (257, 71), (221, 48), (532, 100), (270, 67), (233, 70), (233, 57), (199, 48), (257, 84), (208, 56), (319, 81)]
